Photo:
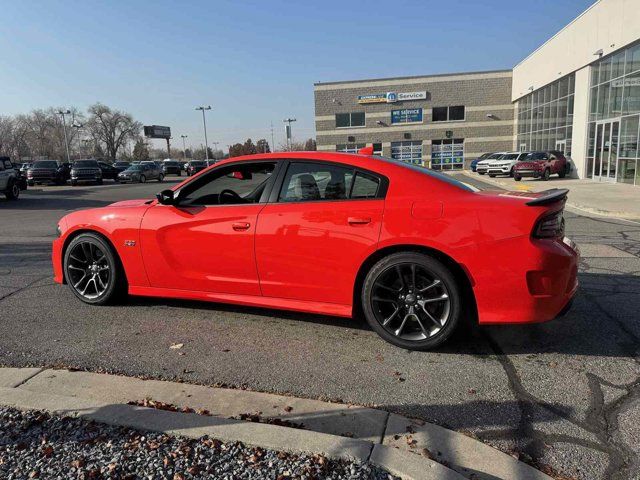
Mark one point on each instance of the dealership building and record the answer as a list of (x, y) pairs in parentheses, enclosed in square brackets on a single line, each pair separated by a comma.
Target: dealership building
[(579, 92)]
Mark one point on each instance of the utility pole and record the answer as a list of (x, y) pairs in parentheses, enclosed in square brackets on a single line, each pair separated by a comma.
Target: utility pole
[(287, 130), (204, 122), (184, 148), (64, 126), (273, 147)]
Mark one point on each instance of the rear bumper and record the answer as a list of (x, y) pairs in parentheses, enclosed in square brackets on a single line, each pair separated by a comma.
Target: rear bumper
[(539, 278)]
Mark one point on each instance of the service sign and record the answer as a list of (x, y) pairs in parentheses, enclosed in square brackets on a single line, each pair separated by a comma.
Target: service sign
[(375, 98), (404, 97), (406, 115)]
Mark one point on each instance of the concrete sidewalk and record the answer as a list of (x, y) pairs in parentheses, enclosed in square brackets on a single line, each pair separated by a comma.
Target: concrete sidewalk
[(408, 448), (616, 200)]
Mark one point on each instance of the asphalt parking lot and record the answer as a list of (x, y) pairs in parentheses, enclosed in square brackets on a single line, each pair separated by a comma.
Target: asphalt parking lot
[(565, 393)]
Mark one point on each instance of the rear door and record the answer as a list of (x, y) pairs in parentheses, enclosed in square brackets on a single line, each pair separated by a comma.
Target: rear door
[(322, 221)]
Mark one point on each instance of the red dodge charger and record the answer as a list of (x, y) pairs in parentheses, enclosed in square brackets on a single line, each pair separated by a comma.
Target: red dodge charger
[(412, 250)]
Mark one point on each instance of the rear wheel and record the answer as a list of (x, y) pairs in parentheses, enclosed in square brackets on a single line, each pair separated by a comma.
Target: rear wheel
[(411, 300), (562, 173), (92, 270), (546, 174), (517, 177), (13, 191)]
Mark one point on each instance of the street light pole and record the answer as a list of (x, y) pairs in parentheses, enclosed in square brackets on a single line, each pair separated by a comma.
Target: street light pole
[(215, 145), (204, 122), (64, 127), (288, 131), (184, 148)]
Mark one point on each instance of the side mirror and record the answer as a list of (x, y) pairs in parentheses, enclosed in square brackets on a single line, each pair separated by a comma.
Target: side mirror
[(165, 197)]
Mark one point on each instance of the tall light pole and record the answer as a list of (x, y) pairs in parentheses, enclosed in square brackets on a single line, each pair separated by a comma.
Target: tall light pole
[(64, 126), (215, 145), (184, 147), (204, 122), (288, 131)]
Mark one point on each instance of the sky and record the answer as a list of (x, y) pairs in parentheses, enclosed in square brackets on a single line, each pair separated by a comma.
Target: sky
[(254, 62)]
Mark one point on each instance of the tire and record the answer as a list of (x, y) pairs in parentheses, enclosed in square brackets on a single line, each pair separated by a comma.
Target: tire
[(100, 255), (99, 181), (160, 178), (562, 173), (179, 174), (13, 191), (416, 323), (517, 177), (546, 174), (492, 175), (31, 184), (74, 183), (511, 172), (482, 173), (143, 179)]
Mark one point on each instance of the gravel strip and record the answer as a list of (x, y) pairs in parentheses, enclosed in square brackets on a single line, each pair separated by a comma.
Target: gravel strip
[(39, 445)]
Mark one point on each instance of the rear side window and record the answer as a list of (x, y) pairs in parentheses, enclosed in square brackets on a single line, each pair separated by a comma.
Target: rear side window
[(309, 182)]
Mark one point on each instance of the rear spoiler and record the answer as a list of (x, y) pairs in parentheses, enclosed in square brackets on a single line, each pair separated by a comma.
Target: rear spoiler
[(549, 196)]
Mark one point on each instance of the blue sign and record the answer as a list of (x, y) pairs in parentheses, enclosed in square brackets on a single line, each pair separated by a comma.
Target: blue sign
[(406, 115)]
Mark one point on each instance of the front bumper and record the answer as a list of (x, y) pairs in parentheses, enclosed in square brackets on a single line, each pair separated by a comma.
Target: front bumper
[(499, 170), (528, 173), (128, 179)]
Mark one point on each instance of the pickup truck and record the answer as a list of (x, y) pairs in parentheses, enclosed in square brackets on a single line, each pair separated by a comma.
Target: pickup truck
[(10, 179)]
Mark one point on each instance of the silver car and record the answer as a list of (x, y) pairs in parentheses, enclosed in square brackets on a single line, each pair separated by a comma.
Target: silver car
[(141, 173)]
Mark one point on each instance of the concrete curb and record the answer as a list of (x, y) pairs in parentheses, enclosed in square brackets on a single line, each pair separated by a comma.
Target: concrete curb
[(408, 448)]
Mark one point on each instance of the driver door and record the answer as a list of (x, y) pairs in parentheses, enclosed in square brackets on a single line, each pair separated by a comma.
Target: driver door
[(205, 242)]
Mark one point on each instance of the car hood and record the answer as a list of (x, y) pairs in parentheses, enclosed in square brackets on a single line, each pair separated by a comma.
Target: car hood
[(486, 162), (129, 203)]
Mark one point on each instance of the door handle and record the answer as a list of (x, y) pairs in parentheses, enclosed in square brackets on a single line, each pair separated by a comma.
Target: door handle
[(358, 220), (240, 226)]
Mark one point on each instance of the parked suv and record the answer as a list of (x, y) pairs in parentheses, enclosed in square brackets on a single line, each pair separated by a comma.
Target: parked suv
[(86, 171), (541, 165), (141, 173), (195, 166), (483, 165), (9, 179), (47, 171), (505, 164), (171, 166)]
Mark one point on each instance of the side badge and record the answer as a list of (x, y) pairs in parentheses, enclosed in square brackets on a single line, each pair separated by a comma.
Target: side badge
[(129, 243)]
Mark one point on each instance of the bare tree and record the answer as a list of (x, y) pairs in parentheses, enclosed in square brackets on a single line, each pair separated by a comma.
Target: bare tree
[(7, 125), (111, 128)]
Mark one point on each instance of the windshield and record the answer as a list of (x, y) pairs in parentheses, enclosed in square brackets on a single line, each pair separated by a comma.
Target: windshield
[(134, 168), (171, 164), (85, 164), (197, 164), (440, 176), (509, 156), (45, 164), (494, 156), (121, 164), (483, 156)]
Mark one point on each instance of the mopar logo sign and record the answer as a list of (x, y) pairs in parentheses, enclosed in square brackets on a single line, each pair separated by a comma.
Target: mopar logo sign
[(392, 97)]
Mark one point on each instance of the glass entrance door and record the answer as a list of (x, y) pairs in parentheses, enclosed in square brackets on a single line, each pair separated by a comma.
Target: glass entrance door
[(606, 151)]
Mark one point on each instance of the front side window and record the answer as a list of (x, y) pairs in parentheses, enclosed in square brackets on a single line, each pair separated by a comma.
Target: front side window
[(241, 183), (352, 119)]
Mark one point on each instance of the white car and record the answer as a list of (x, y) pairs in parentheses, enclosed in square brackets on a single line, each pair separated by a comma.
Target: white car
[(504, 165), (482, 165)]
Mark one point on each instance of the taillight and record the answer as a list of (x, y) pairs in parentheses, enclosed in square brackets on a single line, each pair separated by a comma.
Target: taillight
[(550, 226)]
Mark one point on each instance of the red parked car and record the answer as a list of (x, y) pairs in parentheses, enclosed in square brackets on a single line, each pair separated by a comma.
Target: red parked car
[(414, 251), (541, 165)]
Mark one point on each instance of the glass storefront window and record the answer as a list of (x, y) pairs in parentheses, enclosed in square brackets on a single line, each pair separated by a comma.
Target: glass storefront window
[(410, 151), (629, 137), (631, 95), (633, 59), (447, 154)]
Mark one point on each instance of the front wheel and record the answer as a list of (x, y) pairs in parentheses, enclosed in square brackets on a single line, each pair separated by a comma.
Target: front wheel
[(160, 178), (546, 175), (511, 172), (492, 175), (412, 301), (143, 179), (517, 177), (482, 173), (13, 192), (92, 270)]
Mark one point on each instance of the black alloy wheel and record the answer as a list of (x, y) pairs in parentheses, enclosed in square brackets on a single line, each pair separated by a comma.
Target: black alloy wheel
[(92, 270), (13, 192), (412, 300)]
